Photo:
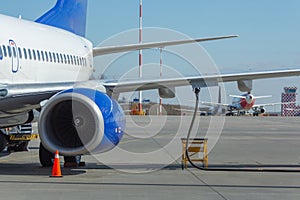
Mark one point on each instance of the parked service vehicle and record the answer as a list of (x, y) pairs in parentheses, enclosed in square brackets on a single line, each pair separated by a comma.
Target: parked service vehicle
[(16, 138)]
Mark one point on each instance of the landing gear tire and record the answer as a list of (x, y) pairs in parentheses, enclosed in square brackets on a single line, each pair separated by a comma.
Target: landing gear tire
[(20, 147), (46, 157), (3, 142), (73, 161), (23, 146)]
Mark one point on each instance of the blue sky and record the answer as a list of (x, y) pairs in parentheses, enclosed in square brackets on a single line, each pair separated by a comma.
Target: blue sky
[(269, 30)]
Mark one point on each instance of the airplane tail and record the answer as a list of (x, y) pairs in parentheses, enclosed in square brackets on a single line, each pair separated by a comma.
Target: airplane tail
[(69, 15)]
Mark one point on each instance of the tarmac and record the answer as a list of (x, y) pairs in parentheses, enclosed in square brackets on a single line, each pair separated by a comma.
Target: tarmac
[(249, 158)]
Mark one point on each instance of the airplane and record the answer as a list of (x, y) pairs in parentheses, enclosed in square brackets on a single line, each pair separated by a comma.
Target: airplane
[(242, 104), (214, 109), (46, 66)]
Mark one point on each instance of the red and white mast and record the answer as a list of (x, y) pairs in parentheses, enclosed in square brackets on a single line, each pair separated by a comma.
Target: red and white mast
[(140, 54)]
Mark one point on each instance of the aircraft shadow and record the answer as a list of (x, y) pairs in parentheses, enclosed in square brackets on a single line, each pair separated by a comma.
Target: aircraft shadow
[(33, 169), (125, 166)]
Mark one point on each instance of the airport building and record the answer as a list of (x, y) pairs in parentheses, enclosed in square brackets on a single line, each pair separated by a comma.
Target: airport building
[(289, 109)]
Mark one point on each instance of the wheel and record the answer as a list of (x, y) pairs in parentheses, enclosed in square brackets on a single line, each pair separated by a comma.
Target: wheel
[(3, 142), (23, 146), (46, 157), (20, 147), (70, 159), (73, 161)]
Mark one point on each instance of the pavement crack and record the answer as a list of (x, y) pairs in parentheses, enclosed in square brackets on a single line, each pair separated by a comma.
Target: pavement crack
[(209, 186)]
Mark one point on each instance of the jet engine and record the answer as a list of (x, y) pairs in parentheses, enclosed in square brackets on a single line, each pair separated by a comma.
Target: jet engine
[(81, 121), (259, 110), (262, 110)]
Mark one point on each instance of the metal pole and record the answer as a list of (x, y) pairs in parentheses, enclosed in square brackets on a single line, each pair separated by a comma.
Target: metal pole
[(161, 65), (140, 54)]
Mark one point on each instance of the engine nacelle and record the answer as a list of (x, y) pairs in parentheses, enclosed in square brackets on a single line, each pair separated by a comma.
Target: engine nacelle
[(259, 110), (262, 110), (244, 85), (166, 93), (81, 121)]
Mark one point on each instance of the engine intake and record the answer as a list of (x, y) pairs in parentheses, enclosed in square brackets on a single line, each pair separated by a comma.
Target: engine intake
[(81, 121)]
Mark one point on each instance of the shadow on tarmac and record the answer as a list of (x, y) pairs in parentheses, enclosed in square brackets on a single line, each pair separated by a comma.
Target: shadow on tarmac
[(33, 169)]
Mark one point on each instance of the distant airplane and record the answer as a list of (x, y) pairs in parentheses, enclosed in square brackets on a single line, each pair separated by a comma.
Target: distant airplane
[(209, 108), (242, 104), (46, 65)]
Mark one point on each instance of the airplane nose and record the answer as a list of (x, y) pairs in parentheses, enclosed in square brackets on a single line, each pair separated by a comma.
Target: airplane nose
[(249, 98)]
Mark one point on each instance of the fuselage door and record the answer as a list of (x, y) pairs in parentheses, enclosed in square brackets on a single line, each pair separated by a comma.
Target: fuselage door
[(14, 56)]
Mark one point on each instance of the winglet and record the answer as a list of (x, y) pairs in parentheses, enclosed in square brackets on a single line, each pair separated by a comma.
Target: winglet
[(69, 15)]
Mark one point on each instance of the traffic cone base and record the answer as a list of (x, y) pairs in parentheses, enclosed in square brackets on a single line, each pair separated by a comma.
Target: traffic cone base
[(56, 172)]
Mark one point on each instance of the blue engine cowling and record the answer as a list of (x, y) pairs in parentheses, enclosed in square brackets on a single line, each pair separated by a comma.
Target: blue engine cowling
[(81, 121)]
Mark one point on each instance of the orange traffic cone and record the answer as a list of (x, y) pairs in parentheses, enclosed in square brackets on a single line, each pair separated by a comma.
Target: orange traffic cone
[(56, 172)]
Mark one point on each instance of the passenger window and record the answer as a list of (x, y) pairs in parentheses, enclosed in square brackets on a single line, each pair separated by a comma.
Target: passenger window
[(34, 55), (1, 54), (9, 51), (57, 56), (78, 60), (50, 57), (46, 55), (65, 58), (25, 53), (4, 51), (20, 53), (29, 54), (38, 55), (72, 60), (42, 54), (68, 58), (61, 58), (75, 62), (54, 58)]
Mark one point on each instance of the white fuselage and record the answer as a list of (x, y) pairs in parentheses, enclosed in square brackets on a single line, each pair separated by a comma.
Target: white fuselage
[(36, 53)]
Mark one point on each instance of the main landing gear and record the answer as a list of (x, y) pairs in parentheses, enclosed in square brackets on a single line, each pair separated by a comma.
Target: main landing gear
[(47, 159)]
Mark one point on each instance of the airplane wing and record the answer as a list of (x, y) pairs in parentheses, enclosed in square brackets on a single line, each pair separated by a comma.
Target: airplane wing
[(196, 81), (21, 94), (98, 51), (238, 96)]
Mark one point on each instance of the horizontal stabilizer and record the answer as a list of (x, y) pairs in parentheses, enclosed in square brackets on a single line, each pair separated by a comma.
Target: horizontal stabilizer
[(260, 97)]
